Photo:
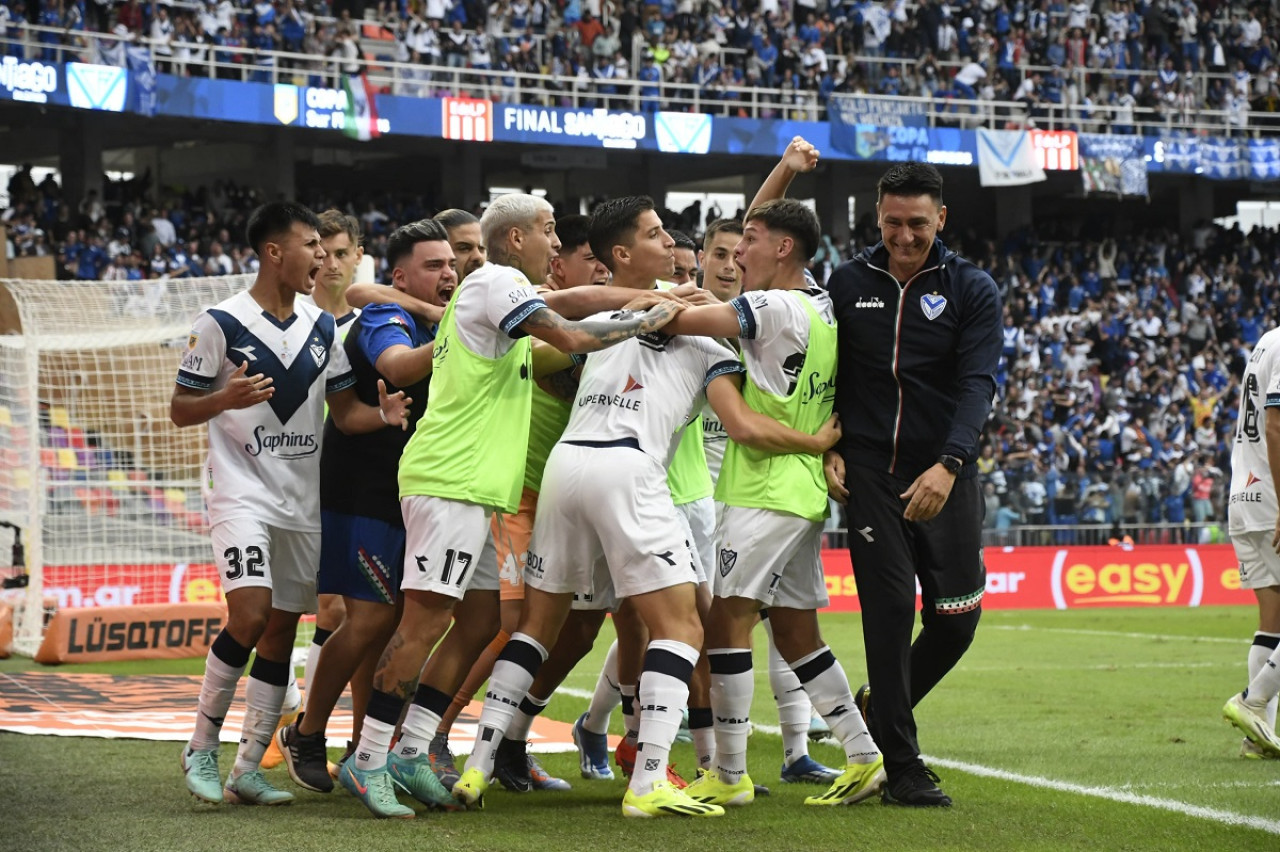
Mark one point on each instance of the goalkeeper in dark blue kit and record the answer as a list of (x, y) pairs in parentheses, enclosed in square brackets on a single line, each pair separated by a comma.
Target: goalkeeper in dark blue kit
[(919, 338)]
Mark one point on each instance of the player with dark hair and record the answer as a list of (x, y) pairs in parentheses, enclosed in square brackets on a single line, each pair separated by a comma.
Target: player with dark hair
[(261, 480), (775, 502), (464, 237), (601, 539), (340, 238), (919, 342), (686, 252), (464, 461), (362, 552), (573, 266)]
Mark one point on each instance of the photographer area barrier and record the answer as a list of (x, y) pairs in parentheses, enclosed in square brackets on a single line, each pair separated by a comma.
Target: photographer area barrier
[(1084, 577)]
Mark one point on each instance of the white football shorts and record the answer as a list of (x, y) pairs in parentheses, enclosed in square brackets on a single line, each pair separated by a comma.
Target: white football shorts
[(606, 524), (1259, 563), (448, 547), (770, 557), (250, 553)]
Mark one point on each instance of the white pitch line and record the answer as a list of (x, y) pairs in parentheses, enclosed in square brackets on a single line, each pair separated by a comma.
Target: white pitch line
[(1270, 826), (1113, 794), (1161, 636)]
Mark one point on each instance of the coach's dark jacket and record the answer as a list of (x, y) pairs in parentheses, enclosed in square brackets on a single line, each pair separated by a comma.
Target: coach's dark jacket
[(917, 361)]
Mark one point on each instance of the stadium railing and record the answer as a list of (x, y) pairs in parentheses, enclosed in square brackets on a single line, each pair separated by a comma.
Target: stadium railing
[(419, 80)]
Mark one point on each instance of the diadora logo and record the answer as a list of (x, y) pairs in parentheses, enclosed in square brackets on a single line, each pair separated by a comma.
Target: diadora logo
[(632, 385), (869, 302), (1085, 583)]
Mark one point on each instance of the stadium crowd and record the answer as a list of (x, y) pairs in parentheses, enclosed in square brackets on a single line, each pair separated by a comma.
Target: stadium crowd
[(1118, 386), (1105, 58)]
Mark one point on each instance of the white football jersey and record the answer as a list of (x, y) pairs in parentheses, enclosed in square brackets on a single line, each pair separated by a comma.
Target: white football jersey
[(775, 334), (489, 310), (264, 461), (1252, 502), (646, 388)]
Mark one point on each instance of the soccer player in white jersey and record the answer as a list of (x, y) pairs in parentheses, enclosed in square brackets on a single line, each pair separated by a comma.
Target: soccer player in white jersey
[(573, 266), (362, 548), (770, 536), (260, 481), (605, 538), (466, 460), (340, 238), (1254, 523)]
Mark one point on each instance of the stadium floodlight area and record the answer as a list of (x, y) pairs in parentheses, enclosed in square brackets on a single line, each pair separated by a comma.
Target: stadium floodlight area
[(103, 487)]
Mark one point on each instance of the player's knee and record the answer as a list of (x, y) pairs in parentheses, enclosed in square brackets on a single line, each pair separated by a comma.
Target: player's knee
[(956, 628)]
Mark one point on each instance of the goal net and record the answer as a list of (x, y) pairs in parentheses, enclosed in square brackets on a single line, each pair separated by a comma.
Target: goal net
[(103, 490)]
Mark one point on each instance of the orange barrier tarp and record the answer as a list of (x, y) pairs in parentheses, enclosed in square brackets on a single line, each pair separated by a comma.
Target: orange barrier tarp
[(153, 632)]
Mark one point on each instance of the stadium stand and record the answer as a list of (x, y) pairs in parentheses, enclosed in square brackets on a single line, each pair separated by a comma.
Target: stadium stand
[(1099, 67)]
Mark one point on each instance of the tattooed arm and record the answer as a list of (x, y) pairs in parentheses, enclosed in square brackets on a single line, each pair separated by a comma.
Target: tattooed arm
[(593, 334)]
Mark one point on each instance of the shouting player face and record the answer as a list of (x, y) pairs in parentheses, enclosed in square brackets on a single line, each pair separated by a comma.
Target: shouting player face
[(300, 257), (538, 245), (427, 273)]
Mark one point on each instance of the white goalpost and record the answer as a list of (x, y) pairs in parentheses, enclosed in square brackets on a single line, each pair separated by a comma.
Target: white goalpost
[(103, 490)]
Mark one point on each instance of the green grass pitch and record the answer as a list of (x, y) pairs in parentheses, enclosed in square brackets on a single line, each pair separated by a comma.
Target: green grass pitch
[(1076, 730)]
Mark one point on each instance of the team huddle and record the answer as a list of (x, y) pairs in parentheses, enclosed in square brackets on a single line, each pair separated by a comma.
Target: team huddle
[(537, 423)]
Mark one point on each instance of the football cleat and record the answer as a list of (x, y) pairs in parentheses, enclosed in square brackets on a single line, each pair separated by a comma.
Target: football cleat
[(1252, 724), (1249, 751), (415, 776), (442, 760), (335, 768), (806, 770), (858, 781), (593, 752), (471, 788), (200, 770), (665, 800), (625, 756), (375, 790), (709, 789), (253, 788)]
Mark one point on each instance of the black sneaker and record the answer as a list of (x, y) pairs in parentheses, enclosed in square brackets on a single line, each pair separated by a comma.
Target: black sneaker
[(915, 787), (511, 766), (305, 758)]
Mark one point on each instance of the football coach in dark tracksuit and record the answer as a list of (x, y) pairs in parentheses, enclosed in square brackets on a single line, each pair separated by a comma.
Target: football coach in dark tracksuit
[(919, 335)]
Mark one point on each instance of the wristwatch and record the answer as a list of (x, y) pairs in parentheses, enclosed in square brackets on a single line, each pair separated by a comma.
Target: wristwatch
[(951, 463)]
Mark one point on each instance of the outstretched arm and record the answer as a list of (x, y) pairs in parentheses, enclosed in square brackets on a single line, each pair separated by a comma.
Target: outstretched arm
[(576, 303), (593, 335), (751, 429), (359, 295), (353, 417), (799, 157)]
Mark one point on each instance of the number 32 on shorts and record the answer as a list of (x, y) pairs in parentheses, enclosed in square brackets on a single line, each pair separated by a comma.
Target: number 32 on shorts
[(250, 564)]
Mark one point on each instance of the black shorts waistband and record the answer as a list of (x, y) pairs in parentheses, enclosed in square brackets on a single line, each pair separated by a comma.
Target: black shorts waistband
[(627, 443)]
